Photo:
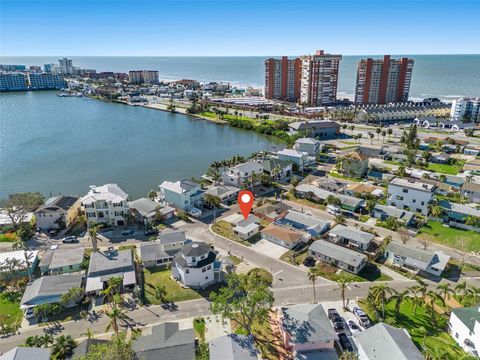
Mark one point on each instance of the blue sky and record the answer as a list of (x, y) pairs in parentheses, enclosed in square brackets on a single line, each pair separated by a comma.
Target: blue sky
[(234, 28)]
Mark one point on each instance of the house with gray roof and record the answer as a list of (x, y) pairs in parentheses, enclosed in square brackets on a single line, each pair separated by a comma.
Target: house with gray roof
[(83, 347), (61, 261), (106, 264), (309, 223), (384, 212), (464, 326), (27, 353), (57, 212), (306, 328), (246, 228), (271, 212), (237, 175), (457, 214), (350, 236), (227, 194), (471, 190), (166, 341), (309, 145), (146, 210), (277, 169), (383, 341), (233, 347), (348, 203), (416, 259), (316, 128), (162, 251), (49, 289), (338, 256)]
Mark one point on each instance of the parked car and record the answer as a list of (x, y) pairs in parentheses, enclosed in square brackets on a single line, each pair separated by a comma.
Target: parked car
[(70, 240), (128, 232), (362, 317), (345, 343), (336, 319), (193, 211), (52, 232), (150, 232), (333, 210), (309, 261), (354, 328), (29, 313)]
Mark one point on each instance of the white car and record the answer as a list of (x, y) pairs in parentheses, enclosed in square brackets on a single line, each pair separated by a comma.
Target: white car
[(29, 313), (353, 327), (194, 212), (334, 210)]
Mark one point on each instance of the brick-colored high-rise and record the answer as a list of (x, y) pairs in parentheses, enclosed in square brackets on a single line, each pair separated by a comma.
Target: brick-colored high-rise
[(282, 79), (381, 81)]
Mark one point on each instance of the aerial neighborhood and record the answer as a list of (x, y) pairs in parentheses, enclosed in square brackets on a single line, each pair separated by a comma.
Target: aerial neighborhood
[(363, 241)]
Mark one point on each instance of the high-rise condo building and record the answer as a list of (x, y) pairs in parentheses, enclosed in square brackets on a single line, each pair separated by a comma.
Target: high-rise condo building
[(143, 77), (282, 78), (319, 78), (13, 81), (66, 66), (381, 81), (466, 110), (46, 81)]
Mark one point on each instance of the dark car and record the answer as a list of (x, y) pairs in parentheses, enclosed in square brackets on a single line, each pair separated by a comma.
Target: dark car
[(309, 261), (345, 343), (151, 232), (336, 319), (128, 232)]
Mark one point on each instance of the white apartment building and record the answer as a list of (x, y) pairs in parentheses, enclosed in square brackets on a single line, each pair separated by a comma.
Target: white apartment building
[(409, 194), (466, 110), (299, 158), (105, 204), (183, 194), (237, 175), (464, 325)]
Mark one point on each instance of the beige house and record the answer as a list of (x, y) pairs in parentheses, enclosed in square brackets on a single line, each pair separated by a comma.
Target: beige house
[(58, 212), (354, 164)]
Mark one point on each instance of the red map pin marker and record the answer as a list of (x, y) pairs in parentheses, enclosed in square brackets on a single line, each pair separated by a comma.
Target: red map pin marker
[(245, 202)]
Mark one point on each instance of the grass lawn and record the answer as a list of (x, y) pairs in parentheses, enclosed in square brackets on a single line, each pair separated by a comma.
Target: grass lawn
[(10, 310), (8, 237), (225, 229), (199, 328), (448, 236), (340, 176), (235, 259), (175, 292), (447, 169), (370, 273), (297, 260), (305, 202)]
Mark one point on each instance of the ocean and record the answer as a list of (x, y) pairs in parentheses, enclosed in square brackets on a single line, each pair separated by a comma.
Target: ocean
[(445, 76)]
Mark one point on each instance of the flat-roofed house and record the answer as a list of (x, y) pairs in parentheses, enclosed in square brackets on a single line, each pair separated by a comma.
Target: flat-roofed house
[(383, 341), (61, 261), (306, 222), (299, 158), (409, 194), (349, 236), (338, 256), (58, 212), (361, 189), (284, 236), (416, 259), (104, 265)]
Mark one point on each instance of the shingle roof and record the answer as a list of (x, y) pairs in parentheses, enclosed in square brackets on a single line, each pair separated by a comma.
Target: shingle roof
[(170, 236), (468, 315), (313, 124), (144, 206), (337, 252), (195, 249), (459, 208), (268, 208), (152, 251), (105, 263), (27, 353), (307, 323), (222, 190), (233, 347), (55, 259), (249, 166), (64, 202), (352, 233), (83, 347), (391, 211), (283, 233), (308, 221), (307, 141), (269, 165), (471, 186), (383, 341), (166, 341), (412, 253)]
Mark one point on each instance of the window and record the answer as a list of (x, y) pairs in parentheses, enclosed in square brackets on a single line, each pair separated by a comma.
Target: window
[(204, 269), (414, 200), (206, 277), (209, 267), (187, 271), (405, 191)]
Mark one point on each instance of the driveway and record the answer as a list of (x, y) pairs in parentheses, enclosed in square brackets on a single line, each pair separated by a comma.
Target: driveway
[(270, 249)]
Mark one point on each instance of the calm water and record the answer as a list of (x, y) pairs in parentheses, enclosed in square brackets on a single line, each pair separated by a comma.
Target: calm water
[(445, 76), (53, 144)]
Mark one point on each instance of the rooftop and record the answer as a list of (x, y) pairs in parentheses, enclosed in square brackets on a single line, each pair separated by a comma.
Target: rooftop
[(169, 236), (269, 165), (58, 258), (305, 219), (391, 211), (352, 233), (110, 262), (108, 192), (315, 124), (412, 184), (179, 187), (144, 206), (419, 256), (468, 315), (283, 233), (18, 255), (306, 140), (248, 167), (151, 251), (355, 155), (337, 252), (460, 208), (27, 353), (292, 153), (64, 202), (233, 347)]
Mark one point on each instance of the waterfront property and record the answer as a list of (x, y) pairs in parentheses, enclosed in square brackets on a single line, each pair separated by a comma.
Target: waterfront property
[(350, 237), (309, 145), (301, 221), (464, 326), (338, 256), (416, 259), (409, 194), (316, 128), (227, 194), (61, 261), (237, 175), (284, 236), (277, 169), (182, 194), (58, 212), (106, 204), (147, 211), (300, 159)]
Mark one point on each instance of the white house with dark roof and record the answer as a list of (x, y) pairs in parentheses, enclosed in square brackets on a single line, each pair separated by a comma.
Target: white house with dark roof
[(302, 221), (194, 265), (337, 256), (416, 259), (106, 204), (350, 236), (182, 194), (57, 211), (409, 194), (227, 194), (383, 341), (464, 326), (162, 251), (238, 174)]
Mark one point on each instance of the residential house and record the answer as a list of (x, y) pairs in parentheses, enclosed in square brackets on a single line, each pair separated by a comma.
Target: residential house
[(472, 150), (246, 228), (83, 347), (464, 325), (271, 212), (383, 341), (299, 158), (309, 145), (363, 189), (383, 151), (351, 237), (416, 259), (24, 264), (111, 263), (165, 341), (227, 194), (233, 347), (162, 251), (338, 256), (183, 194), (50, 289), (306, 328), (6, 220), (106, 204), (384, 212), (302, 221), (471, 190), (440, 158), (239, 174), (61, 261), (147, 211), (57, 212), (284, 236), (330, 184), (194, 265), (473, 166), (312, 192), (277, 169), (27, 353), (409, 194), (316, 128), (441, 188), (456, 214), (354, 164)]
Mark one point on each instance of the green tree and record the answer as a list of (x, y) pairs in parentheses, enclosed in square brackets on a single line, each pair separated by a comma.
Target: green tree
[(380, 295), (472, 221), (18, 205), (371, 136), (43, 311), (437, 211), (343, 284), (120, 348), (399, 297), (312, 276), (112, 289), (462, 287), (25, 231), (433, 298), (152, 195), (115, 315), (378, 131), (160, 293), (340, 219), (74, 294), (88, 334), (384, 133), (212, 200), (347, 355), (93, 235), (370, 205), (333, 200), (445, 290), (63, 346), (182, 215), (389, 132)]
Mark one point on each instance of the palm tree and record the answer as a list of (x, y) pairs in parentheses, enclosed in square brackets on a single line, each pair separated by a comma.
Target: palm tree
[(340, 219), (73, 294), (34, 341), (116, 314), (88, 334), (18, 244), (475, 292), (462, 286), (371, 136), (389, 132), (416, 302), (312, 276), (399, 297), (445, 290), (93, 235), (378, 131), (437, 211), (63, 346), (216, 165), (45, 340), (380, 293), (384, 133), (434, 297), (152, 195), (160, 293), (343, 284), (112, 289)]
